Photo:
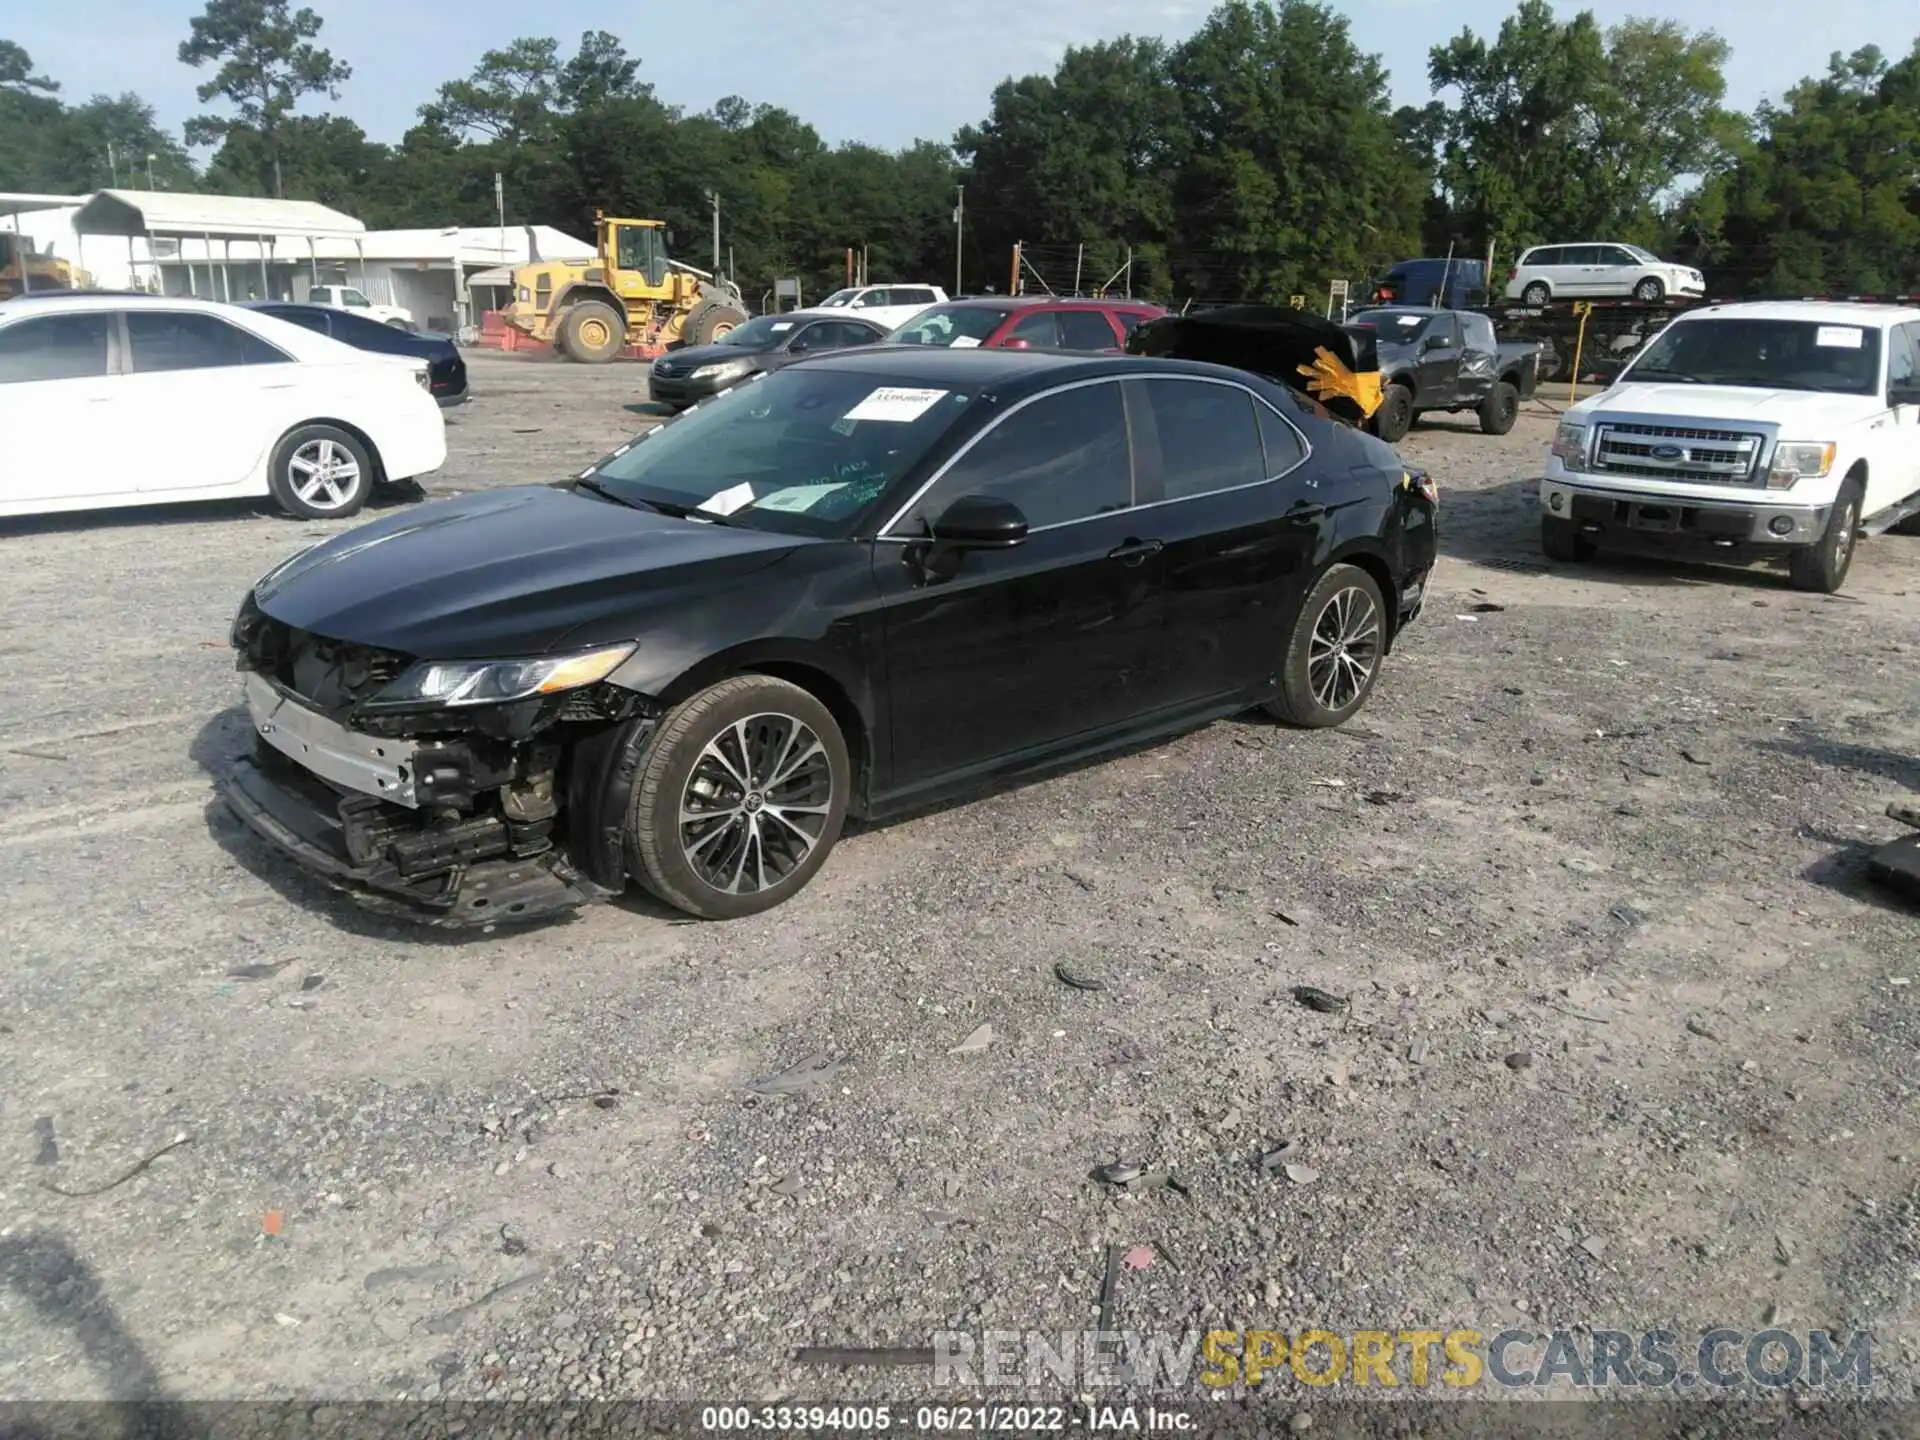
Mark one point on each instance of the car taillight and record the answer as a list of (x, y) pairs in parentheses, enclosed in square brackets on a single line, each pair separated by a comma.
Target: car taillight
[(1514, 274)]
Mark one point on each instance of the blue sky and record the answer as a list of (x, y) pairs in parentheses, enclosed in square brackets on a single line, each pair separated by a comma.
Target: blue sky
[(882, 71)]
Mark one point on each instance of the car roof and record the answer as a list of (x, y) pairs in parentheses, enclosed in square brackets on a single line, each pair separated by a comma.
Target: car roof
[(1871, 317), (1034, 302), (1405, 309), (1009, 372), (118, 299)]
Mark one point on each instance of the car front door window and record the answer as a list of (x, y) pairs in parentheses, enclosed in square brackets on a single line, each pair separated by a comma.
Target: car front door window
[(1040, 331), (1060, 458)]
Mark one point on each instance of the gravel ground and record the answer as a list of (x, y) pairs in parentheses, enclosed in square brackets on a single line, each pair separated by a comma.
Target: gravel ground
[(1630, 1041)]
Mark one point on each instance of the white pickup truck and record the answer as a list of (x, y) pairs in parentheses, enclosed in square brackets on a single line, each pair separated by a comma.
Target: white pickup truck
[(345, 297), (888, 305), (1772, 428)]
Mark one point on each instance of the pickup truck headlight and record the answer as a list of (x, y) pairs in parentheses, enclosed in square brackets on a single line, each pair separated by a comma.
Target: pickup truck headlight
[(431, 684), (1799, 460), (1570, 443), (725, 370)]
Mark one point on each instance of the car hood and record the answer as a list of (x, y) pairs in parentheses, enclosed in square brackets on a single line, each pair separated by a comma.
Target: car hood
[(693, 356), (507, 573), (1789, 409)]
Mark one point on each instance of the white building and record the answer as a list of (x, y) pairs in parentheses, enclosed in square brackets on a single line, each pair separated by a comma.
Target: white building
[(241, 248)]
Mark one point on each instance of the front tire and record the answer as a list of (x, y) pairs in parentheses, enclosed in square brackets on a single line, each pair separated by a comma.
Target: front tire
[(1650, 291), (1499, 410), (1562, 541), (320, 472), (741, 798), (1395, 416), (593, 332), (1822, 566), (1333, 655)]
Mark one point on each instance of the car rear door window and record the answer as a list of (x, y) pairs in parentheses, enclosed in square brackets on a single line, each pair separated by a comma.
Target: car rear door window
[(1480, 334), (55, 347), (1130, 322), (1042, 330), (1086, 330), (1060, 458), (314, 320), (1280, 444), (1209, 436), (162, 340), (852, 334)]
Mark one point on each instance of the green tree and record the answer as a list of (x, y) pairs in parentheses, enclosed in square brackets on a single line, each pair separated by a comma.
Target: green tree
[(114, 139), (1827, 199), (30, 113), (1292, 169), (266, 61)]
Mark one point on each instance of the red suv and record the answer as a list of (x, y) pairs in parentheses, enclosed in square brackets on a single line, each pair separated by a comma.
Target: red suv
[(1027, 322)]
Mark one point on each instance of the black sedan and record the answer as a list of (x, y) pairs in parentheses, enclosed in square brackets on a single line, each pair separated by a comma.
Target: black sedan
[(768, 342), (854, 587), (446, 369)]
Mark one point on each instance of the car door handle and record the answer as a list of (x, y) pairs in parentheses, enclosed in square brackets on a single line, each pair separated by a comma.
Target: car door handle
[(1132, 552), (1306, 510)]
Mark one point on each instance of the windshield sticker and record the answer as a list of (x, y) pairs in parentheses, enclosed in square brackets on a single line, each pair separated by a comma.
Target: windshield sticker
[(727, 501), (1408, 321), (964, 342), (900, 406), (1840, 337), (783, 325), (800, 498)]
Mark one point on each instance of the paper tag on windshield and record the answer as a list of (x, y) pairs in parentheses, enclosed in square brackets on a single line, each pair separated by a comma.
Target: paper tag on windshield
[(801, 497), (783, 325), (899, 406), (727, 501), (964, 342), (1840, 337)]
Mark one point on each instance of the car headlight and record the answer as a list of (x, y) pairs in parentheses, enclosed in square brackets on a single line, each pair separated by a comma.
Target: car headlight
[(1570, 443), (725, 370), (1799, 460), (431, 684)]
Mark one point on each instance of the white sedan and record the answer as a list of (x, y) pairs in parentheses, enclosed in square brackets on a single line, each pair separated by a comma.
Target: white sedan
[(110, 400)]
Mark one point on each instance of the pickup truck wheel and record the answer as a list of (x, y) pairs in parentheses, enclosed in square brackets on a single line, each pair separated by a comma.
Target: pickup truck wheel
[(1561, 540), (1536, 294), (1333, 655), (1499, 410), (1822, 566), (740, 800), (593, 332), (1395, 416), (1650, 291)]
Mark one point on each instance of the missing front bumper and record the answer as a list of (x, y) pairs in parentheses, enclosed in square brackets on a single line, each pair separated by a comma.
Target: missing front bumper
[(304, 819)]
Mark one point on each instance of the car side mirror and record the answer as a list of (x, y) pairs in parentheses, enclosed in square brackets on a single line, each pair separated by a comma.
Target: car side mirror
[(1433, 342), (797, 347), (1904, 393), (980, 522)]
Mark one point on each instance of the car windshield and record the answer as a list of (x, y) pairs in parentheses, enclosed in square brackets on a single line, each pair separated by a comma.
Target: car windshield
[(803, 451), (1394, 325), (763, 332), (1765, 354), (839, 299), (959, 326), (1645, 257)]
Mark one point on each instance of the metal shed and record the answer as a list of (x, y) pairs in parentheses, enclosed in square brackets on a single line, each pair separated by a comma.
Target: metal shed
[(168, 215)]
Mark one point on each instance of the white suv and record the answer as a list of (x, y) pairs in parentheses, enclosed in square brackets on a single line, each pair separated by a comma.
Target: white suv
[(1595, 271), (888, 305), (1744, 430)]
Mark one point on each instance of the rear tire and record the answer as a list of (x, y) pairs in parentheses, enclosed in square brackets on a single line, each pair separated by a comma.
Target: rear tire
[(1536, 294), (709, 322), (1822, 566), (592, 332), (1499, 410), (320, 472), (1333, 655), (763, 767), (1561, 540), (1395, 416)]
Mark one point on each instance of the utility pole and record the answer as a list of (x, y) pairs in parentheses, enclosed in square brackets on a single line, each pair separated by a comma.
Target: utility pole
[(713, 198), (959, 233), (500, 212), (113, 165), (149, 172)]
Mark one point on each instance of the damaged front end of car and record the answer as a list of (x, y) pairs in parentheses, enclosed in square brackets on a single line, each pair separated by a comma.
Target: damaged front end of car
[(461, 793)]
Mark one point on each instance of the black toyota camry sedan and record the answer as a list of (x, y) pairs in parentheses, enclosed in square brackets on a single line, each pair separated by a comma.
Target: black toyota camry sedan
[(851, 587), (690, 374)]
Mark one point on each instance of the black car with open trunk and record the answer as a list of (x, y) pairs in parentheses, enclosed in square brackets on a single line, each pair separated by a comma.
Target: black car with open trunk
[(852, 587)]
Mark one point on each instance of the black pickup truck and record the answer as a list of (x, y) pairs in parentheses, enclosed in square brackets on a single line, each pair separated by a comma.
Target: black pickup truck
[(1432, 359)]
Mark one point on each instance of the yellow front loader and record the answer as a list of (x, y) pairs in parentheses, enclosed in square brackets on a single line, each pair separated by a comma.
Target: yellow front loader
[(630, 293)]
